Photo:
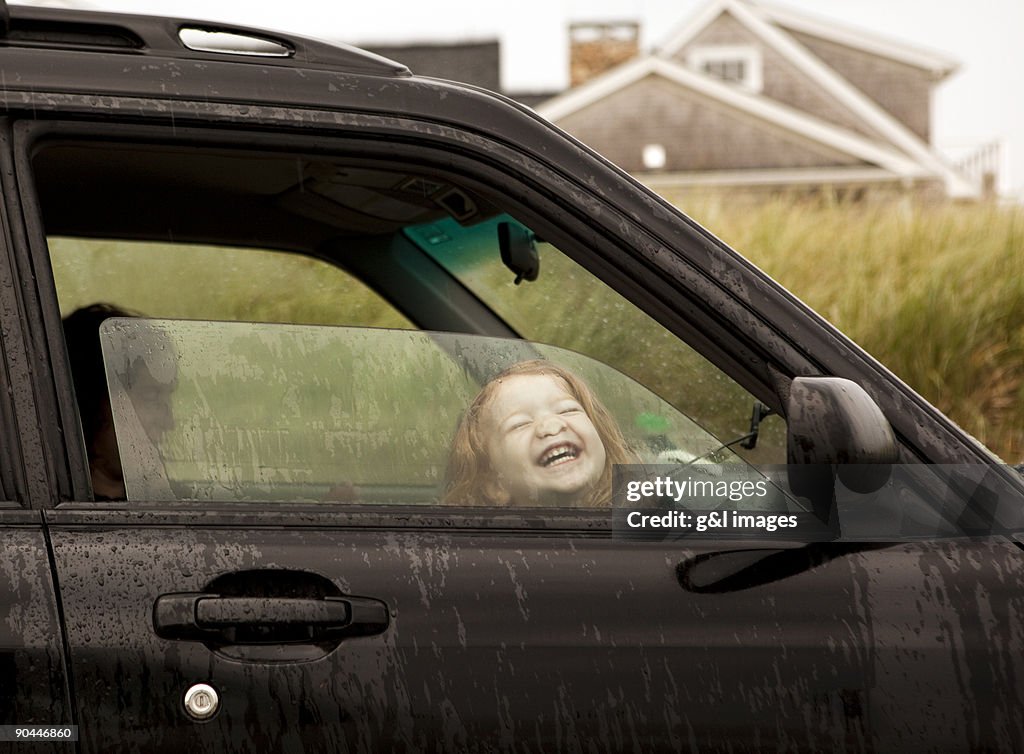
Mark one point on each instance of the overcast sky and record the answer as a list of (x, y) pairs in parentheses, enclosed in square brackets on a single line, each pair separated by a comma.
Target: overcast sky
[(982, 102)]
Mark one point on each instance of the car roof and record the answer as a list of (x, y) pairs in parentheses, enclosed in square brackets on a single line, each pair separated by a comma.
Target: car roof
[(159, 37), (56, 50), (62, 60)]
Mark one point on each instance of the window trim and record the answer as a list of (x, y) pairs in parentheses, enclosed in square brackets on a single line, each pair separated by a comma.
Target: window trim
[(30, 479), (12, 473)]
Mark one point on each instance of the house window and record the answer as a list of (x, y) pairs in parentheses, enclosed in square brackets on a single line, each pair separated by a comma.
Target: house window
[(727, 70), (736, 64)]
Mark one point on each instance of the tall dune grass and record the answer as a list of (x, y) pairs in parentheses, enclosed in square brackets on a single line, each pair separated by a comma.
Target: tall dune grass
[(934, 291)]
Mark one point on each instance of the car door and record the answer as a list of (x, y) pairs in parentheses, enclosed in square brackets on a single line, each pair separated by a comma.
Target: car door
[(355, 624)]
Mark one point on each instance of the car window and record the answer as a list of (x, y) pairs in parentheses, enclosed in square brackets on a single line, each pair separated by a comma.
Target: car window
[(212, 282), (250, 412)]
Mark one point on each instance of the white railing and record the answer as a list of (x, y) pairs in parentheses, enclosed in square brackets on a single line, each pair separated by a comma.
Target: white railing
[(981, 165)]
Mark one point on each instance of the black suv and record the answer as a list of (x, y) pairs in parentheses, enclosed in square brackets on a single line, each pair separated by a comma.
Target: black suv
[(323, 258)]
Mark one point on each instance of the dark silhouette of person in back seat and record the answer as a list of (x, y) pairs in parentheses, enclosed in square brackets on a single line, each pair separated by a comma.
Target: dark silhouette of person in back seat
[(82, 338)]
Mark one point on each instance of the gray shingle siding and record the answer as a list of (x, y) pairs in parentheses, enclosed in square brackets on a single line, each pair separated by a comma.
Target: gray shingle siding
[(697, 134), (903, 90)]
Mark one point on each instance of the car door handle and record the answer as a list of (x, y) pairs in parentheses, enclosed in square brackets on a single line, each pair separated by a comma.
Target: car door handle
[(212, 618)]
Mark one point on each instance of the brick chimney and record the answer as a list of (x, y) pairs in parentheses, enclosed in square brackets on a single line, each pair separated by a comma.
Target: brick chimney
[(596, 47)]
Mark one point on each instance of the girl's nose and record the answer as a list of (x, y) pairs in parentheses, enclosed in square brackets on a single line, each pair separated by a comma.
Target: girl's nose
[(551, 424)]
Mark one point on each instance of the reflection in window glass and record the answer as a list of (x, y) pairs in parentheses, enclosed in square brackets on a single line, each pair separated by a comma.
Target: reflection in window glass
[(248, 412)]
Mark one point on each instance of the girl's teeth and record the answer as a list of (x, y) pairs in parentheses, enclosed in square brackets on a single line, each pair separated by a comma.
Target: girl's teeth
[(558, 456)]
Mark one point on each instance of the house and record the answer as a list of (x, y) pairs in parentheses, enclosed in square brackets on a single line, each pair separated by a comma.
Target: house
[(746, 93)]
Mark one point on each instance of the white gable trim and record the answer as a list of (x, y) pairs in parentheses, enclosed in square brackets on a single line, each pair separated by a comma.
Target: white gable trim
[(937, 64), (776, 177), (833, 83), (693, 26), (787, 118), (595, 89)]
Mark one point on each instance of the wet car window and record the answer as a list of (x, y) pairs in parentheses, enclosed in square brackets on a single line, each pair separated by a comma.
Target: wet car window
[(251, 412)]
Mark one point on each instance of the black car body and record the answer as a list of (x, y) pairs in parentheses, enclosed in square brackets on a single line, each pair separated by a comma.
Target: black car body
[(462, 629)]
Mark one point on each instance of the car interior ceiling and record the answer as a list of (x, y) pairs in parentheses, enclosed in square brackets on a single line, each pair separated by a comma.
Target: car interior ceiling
[(228, 197)]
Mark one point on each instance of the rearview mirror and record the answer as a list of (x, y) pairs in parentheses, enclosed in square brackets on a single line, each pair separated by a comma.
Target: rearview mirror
[(519, 251)]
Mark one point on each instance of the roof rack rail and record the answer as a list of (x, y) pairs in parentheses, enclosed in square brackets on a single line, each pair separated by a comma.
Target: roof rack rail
[(60, 28)]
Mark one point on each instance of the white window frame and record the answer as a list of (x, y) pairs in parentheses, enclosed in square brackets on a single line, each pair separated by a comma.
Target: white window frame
[(750, 56)]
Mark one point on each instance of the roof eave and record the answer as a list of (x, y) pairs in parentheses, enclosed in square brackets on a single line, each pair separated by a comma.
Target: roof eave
[(940, 66)]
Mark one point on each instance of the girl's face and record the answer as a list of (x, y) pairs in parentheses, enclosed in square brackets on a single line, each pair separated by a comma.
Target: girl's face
[(541, 443)]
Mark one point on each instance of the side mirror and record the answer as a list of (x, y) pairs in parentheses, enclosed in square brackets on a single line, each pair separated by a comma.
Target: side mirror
[(831, 421)]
